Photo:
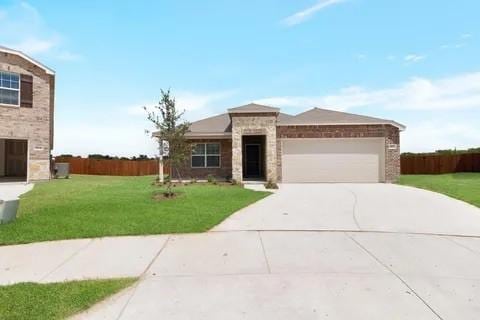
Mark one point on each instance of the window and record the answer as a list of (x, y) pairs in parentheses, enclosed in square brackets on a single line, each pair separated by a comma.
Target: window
[(206, 155), (9, 88)]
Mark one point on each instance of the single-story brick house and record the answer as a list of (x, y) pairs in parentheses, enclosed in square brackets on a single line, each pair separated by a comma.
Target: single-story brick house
[(259, 142)]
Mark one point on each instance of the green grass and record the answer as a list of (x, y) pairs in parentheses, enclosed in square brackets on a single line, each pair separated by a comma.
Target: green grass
[(463, 186), (96, 206), (35, 301)]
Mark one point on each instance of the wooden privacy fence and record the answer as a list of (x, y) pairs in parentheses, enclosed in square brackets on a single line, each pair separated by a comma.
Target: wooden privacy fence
[(111, 167), (443, 163)]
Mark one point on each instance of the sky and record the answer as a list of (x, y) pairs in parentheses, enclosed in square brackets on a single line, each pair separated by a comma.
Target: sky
[(416, 62)]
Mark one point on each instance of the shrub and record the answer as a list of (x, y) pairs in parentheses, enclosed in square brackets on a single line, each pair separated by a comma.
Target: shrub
[(167, 179), (271, 185), (210, 178)]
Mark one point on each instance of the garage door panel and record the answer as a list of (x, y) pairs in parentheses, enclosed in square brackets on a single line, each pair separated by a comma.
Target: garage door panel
[(322, 160)]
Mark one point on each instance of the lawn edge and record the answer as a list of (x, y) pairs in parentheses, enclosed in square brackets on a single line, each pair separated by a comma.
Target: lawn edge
[(437, 192)]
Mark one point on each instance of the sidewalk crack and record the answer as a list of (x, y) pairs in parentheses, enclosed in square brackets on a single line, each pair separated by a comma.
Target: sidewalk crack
[(395, 274), (264, 252), (354, 209)]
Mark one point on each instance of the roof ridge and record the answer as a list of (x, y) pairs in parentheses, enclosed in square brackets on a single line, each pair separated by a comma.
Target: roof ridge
[(343, 112), (253, 107)]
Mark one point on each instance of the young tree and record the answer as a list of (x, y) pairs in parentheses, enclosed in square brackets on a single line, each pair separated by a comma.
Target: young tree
[(170, 126)]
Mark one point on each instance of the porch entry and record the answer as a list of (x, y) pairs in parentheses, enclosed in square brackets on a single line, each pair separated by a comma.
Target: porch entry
[(253, 154), (13, 159)]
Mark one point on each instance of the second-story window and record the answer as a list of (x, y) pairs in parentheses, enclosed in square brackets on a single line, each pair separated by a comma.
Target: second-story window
[(9, 88)]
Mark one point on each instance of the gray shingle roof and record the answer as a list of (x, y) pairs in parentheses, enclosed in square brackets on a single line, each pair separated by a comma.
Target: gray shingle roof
[(212, 125), (253, 108), (317, 116), (220, 125)]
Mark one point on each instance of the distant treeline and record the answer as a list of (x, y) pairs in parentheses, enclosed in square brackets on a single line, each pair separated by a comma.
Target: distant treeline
[(441, 152), (107, 157)]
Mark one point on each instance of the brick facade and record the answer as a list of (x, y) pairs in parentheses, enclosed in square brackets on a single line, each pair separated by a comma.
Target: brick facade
[(222, 173), (265, 124), (33, 124), (389, 132)]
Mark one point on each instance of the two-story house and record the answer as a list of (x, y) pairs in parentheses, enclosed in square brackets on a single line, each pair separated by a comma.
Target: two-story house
[(27, 90)]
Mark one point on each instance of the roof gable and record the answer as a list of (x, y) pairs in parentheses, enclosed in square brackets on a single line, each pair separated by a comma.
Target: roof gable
[(253, 108), (29, 59), (217, 124)]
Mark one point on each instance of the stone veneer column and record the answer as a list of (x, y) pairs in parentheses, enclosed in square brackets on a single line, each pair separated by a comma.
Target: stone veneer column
[(271, 152), (237, 169), (254, 124)]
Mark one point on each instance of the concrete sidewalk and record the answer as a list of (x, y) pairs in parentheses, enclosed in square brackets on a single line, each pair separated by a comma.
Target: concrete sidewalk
[(338, 251), (304, 275), (57, 261), (12, 190), (266, 275)]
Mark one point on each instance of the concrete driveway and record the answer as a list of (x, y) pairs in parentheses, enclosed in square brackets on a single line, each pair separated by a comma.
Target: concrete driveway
[(357, 207), (313, 251)]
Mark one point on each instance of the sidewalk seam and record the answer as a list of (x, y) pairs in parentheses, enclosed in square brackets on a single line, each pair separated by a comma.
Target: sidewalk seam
[(68, 259), (141, 278)]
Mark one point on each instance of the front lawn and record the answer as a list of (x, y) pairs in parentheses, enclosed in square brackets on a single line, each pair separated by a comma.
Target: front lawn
[(463, 186), (35, 301), (97, 206)]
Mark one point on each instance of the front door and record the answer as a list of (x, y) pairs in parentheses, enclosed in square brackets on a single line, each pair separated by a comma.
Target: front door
[(16, 156), (252, 160)]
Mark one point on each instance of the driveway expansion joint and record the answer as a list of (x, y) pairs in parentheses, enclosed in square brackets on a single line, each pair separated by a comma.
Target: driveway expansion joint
[(449, 238), (354, 231)]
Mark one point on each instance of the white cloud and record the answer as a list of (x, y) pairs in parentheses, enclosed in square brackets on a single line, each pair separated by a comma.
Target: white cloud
[(24, 29), (123, 133), (452, 93), (413, 58), (34, 45), (440, 134), (361, 57), (307, 13), (462, 42), (195, 104)]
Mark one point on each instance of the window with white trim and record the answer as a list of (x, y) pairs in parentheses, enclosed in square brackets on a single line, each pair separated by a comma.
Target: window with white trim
[(9, 88), (206, 155)]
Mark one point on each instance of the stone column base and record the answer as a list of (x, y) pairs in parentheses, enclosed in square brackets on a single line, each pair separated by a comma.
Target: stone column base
[(38, 170)]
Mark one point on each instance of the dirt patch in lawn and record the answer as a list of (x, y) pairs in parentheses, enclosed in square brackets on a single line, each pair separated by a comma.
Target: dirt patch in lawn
[(164, 196)]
